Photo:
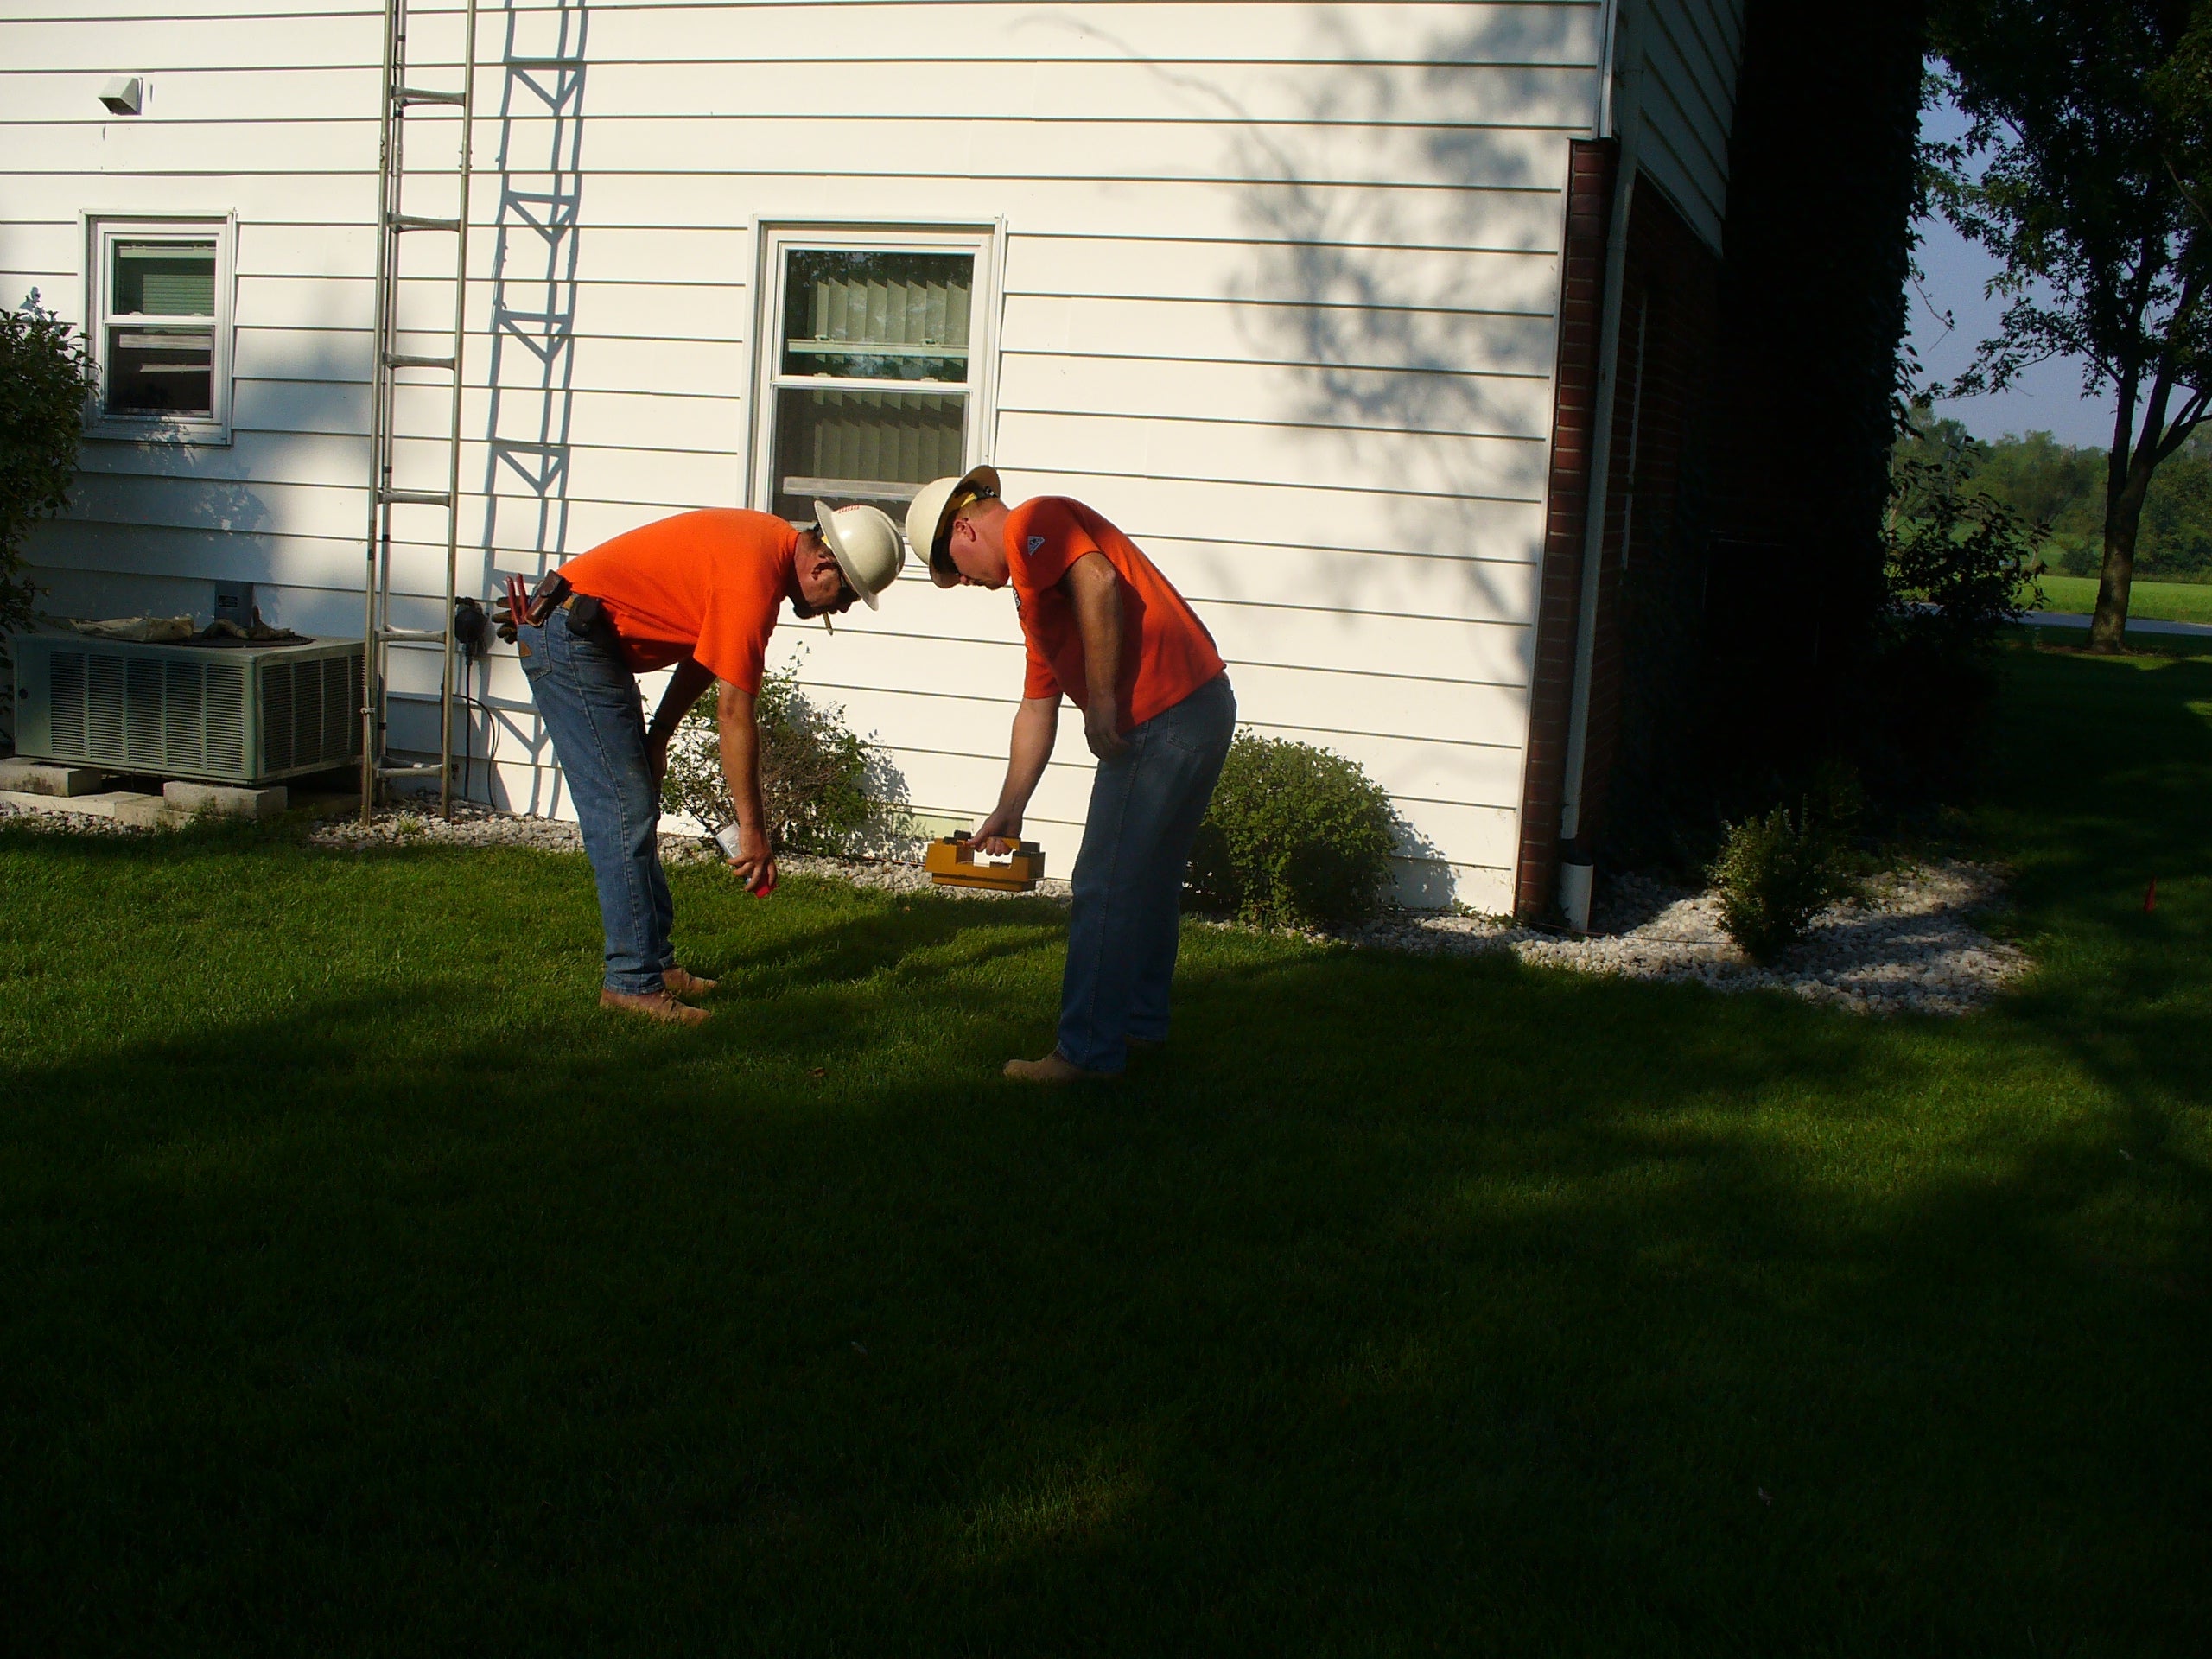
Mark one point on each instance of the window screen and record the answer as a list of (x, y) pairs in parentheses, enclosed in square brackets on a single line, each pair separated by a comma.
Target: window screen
[(160, 328), (853, 320)]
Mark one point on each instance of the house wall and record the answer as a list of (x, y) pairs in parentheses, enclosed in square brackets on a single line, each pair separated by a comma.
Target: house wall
[(1673, 103), (1279, 294), (1576, 433), (1691, 52), (1645, 679)]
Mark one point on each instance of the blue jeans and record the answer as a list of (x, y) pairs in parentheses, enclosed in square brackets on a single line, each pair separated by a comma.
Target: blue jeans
[(590, 704), (1145, 807)]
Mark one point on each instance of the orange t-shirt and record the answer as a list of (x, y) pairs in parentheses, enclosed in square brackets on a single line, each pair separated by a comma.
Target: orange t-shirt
[(1167, 652), (707, 585)]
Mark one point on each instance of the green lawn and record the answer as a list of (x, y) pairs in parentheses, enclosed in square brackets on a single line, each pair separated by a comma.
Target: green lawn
[(368, 1293), (2147, 601)]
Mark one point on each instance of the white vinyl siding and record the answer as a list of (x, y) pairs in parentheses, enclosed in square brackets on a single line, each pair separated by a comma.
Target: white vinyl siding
[(1275, 292), (1693, 51)]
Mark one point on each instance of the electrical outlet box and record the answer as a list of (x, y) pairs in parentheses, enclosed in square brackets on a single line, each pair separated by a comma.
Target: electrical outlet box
[(234, 602)]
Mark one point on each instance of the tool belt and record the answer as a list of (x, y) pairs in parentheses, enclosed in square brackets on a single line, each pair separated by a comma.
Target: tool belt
[(587, 617)]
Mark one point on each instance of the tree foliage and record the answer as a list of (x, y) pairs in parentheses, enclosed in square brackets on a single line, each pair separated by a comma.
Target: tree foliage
[(1960, 561), (2084, 171), (2060, 489), (45, 375)]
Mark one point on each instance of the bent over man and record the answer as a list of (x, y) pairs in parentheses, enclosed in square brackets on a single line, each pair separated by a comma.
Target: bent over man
[(1102, 625), (701, 592)]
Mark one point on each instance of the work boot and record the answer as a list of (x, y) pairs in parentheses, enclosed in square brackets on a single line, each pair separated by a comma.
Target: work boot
[(1055, 1067), (654, 1005), (683, 984)]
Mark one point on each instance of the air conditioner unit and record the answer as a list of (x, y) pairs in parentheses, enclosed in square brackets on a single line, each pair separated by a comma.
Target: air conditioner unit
[(238, 714)]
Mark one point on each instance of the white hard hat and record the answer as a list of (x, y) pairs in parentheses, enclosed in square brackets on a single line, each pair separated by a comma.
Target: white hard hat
[(929, 514), (865, 543)]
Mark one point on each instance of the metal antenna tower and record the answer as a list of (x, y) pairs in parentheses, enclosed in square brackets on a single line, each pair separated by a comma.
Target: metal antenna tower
[(394, 224)]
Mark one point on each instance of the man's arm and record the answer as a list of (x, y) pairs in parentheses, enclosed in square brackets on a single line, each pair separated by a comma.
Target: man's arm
[(1036, 723), (755, 861), (685, 687), (1094, 589)]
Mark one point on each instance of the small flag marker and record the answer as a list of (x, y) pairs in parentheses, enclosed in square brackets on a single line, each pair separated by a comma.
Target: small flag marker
[(2151, 896)]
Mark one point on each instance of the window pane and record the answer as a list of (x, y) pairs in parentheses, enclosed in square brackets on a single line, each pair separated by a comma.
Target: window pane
[(877, 316), (171, 371), (877, 446), (165, 279)]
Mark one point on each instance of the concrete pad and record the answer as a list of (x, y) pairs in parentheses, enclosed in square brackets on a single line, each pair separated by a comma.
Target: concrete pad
[(225, 800), (102, 805), (109, 804), (147, 812), (20, 777), (31, 803)]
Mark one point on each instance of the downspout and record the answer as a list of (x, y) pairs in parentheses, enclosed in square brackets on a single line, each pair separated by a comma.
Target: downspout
[(1619, 111)]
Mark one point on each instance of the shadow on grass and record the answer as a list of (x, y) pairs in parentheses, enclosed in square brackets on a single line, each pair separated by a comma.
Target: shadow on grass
[(371, 1293), (2100, 789), (1404, 1302)]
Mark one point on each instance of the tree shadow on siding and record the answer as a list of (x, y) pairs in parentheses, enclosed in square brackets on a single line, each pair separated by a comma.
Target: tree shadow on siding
[(1400, 374), (1353, 310)]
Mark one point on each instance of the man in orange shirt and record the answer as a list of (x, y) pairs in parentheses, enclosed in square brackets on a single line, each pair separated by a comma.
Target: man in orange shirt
[(699, 592), (1102, 626)]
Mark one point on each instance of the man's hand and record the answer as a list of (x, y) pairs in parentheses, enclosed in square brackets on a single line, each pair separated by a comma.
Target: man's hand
[(998, 834), (1034, 724), (1098, 732), (755, 863), (657, 755)]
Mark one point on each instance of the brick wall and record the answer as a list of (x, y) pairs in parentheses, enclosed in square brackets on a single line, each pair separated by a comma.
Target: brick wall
[(1644, 685), (1589, 206)]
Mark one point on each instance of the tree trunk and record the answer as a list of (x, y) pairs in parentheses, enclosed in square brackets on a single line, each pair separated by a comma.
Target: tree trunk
[(2123, 518)]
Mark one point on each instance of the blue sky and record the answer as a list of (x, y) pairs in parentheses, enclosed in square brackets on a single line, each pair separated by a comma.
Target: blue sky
[(2048, 396)]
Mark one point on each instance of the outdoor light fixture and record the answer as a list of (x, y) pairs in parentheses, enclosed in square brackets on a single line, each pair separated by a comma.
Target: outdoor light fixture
[(124, 95)]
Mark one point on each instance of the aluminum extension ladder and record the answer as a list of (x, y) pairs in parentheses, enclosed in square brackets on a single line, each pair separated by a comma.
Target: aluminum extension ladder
[(379, 637)]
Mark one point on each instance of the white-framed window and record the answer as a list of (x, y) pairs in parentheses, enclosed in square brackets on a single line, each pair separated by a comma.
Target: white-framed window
[(160, 311), (873, 362)]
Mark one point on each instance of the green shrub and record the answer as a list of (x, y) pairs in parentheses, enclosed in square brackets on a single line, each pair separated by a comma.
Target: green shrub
[(1296, 836), (44, 376), (1775, 873), (1959, 566), (824, 789)]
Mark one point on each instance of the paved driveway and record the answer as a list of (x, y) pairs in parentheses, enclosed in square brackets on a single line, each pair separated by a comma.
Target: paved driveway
[(2067, 620)]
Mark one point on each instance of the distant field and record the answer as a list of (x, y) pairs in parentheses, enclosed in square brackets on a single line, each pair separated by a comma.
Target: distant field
[(2149, 601)]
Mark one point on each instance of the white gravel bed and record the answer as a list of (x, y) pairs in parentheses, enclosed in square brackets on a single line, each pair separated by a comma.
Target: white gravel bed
[(1910, 944), (474, 824)]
